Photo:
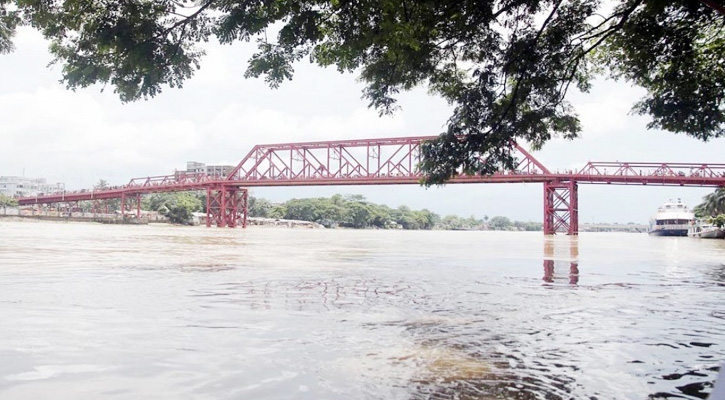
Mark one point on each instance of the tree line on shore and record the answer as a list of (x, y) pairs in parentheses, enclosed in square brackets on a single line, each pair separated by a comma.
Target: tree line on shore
[(350, 211), (354, 211)]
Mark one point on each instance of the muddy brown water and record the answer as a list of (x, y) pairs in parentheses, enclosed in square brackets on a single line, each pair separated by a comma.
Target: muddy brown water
[(160, 312)]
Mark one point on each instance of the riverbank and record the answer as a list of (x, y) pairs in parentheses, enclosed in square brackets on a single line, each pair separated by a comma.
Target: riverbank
[(251, 221), (97, 219), (285, 223), (144, 220)]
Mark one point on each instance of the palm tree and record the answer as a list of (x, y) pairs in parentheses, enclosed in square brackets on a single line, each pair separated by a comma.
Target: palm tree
[(101, 185), (712, 204)]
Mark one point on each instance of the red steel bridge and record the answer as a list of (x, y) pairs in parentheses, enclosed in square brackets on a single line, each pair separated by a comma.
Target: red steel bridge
[(389, 161)]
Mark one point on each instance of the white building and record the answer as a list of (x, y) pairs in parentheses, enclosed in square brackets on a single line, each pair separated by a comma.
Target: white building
[(19, 186), (215, 170), (195, 167)]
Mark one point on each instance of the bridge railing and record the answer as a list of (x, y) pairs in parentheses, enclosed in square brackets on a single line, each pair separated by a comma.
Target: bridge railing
[(179, 178), (644, 169)]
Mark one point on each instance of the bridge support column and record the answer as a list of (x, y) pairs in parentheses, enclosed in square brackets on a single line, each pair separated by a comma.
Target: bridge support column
[(561, 208), (128, 203), (69, 207), (226, 206), (123, 206), (99, 207)]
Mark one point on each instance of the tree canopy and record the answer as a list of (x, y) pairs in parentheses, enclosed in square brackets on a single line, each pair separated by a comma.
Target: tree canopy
[(353, 211), (177, 207), (7, 201), (505, 65), (712, 204)]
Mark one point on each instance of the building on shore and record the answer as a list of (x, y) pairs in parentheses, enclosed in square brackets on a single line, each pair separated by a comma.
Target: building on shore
[(20, 186), (193, 167)]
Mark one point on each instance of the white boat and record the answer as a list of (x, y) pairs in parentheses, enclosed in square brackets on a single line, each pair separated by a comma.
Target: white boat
[(671, 219), (702, 229)]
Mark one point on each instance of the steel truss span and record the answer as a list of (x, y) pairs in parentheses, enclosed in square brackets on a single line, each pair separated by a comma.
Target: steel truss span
[(387, 161)]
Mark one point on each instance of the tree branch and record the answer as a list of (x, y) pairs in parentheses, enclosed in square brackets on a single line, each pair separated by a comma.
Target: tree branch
[(515, 91), (190, 17)]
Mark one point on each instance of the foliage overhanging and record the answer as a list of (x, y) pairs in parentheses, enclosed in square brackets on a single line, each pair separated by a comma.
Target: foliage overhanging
[(505, 65)]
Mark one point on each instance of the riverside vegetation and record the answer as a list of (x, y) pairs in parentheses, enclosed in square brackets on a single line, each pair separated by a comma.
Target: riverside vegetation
[(354, 211), (349, 211), (712, 208)]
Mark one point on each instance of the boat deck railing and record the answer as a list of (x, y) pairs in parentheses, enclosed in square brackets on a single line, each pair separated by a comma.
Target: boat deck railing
[(670, 226)]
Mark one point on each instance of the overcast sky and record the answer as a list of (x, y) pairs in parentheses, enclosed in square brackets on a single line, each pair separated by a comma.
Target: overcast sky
[(83, 136)]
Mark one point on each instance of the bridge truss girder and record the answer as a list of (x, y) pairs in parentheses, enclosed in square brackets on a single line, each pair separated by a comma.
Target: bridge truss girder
[(365, 161)]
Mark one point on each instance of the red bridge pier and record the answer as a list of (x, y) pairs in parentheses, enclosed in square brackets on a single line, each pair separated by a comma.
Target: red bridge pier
[(129, 202), (561, 207), (226, 206)]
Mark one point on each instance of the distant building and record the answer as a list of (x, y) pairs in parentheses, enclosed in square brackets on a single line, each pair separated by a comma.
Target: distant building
[(196, 167), (219, 170), (193, 167), (18, 186)]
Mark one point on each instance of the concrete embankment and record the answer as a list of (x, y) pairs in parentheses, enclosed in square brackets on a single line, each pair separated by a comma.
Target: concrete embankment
[(103, 220), (21, 214), (146, 217), (286, 223)]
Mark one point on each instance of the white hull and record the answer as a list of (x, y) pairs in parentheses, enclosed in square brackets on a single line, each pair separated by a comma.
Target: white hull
[(711, 233), (670, 230), (671, 219)]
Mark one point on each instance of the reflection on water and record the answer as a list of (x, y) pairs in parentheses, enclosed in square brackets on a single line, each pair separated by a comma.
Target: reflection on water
[(550, 260), (162, 312)]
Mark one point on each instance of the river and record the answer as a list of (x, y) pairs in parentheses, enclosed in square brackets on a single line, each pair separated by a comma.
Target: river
[(160, 312)]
